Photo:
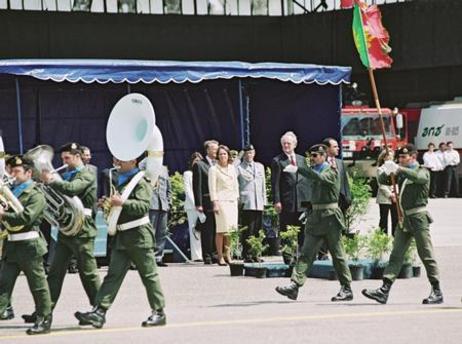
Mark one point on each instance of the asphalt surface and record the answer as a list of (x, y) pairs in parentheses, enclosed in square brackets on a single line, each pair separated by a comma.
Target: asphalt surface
[(206, 305)]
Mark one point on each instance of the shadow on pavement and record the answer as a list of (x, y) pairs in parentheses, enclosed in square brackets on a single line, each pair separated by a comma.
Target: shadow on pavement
[(253, 303)]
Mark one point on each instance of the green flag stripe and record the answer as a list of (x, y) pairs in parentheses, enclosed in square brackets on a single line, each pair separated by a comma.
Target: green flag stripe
[(360, 37)]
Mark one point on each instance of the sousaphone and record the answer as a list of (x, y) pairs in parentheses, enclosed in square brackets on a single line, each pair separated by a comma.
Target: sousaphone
[(131, 130)]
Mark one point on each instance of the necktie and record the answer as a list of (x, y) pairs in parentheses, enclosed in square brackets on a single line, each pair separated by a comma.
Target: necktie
[(332, 162), (292, 160)]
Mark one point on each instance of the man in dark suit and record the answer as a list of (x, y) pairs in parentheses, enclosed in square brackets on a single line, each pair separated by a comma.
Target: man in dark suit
[(291, 191), (202, 199)]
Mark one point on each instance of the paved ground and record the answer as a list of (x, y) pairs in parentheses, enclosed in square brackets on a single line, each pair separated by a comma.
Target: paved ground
[(205, 305)]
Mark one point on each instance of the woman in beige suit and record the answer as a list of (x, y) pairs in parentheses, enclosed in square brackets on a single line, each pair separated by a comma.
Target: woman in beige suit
[(224, 193), (385, 196)]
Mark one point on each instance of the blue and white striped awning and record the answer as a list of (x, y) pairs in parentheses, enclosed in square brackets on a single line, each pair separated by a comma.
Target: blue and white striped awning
[(135, 71)]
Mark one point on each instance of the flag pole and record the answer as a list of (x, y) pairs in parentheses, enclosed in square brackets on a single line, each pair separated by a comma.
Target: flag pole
[(385, 142)]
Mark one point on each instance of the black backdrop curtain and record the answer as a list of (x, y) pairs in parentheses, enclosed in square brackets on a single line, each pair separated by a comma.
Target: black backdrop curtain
[(312, 112), (187, 114)]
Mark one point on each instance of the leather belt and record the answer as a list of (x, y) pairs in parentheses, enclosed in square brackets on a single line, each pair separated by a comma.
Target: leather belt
[(325, 206), (132, 224), (23, 236), (415, 211)]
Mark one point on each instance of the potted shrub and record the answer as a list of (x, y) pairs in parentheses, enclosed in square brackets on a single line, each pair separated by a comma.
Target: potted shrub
[(360, 195), (256, 249), (409, 256), (354, 247), (378, 245), (236, 267), (177, 215)]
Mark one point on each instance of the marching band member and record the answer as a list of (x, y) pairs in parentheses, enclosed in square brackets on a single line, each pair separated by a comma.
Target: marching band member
[(77, 181), (25, 247), (133, 242)]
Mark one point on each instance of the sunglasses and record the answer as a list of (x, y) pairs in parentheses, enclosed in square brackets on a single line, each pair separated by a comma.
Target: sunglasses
[(314, 155)]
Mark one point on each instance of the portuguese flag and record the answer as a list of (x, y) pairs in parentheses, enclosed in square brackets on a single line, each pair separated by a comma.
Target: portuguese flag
[(371, 38)]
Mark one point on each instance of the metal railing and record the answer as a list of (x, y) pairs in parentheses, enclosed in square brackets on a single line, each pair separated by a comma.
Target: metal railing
[(186, 7)]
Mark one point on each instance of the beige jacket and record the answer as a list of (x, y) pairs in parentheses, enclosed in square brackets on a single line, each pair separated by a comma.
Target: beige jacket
[(223, 185)]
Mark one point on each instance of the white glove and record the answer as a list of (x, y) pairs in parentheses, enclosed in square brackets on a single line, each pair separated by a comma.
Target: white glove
[(290, 169), (390, 167), (202, 217)]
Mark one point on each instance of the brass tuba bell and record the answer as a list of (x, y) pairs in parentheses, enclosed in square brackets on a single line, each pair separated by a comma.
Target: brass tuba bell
[(131, 130), (64, 212)]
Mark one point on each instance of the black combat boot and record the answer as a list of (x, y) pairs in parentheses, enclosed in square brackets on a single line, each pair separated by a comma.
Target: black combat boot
[(381, 294), (29, 318), (291, 291), (42, 325), (345, 294), (8, 314), (95, 318), (435, 297), (157, 318)]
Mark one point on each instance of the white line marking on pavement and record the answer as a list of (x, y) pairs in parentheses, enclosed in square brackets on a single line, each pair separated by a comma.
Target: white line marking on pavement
[(77, 331)]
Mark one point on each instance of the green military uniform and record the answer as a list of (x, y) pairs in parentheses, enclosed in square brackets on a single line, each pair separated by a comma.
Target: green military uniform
[(133, 245), (81, 246), (414, 184), (324, 224), (23, 251)]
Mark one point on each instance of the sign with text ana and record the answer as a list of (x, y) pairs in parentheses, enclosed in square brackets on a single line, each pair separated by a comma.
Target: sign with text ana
[(441, 123)]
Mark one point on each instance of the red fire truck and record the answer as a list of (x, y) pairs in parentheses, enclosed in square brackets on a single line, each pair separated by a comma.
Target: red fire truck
[(362, 138)]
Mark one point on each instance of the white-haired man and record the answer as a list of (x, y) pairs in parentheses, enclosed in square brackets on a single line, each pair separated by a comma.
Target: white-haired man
[(290, 189)]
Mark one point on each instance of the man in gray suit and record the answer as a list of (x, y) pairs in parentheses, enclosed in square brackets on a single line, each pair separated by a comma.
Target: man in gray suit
[(160, 205), (252, 198)]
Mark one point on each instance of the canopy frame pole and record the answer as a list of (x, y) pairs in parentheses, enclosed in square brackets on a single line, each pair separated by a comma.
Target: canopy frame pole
[(247, 120), (244, 114), (241, 111), (175, 246), (19, 112)]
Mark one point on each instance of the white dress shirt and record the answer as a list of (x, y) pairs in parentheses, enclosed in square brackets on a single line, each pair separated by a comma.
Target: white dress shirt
[(452, 157), (442, 158), (432, 162)]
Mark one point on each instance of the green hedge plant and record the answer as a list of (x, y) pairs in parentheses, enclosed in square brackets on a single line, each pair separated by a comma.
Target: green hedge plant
[(256, 244), (378, 245)]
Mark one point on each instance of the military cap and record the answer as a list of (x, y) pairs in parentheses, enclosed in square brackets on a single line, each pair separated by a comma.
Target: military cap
[(319, 148), (407, 149), (72, 147), (249, 148), (19, 160)]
